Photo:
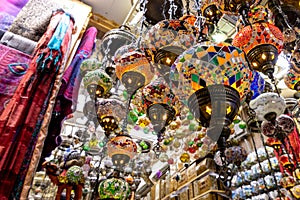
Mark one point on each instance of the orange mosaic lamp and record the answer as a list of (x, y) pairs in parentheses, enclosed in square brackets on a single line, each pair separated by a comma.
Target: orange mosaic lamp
[(261, 41), (121, 149), (134, 70)]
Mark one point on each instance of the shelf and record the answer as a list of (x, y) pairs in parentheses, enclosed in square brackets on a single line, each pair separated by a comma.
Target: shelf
[(221, 192), (205, 173)]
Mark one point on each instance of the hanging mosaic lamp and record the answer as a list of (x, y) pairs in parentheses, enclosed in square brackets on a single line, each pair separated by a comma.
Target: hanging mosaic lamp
[(160, 104), (121, 149), (261, 41), (114, 189), (237, 6), (292, 80), (268, 106), (114, 39), (97, 83), (211, 11), (134, 70), (257, 85), (213, 80), (89, 65), (167, 40), (109, 113)]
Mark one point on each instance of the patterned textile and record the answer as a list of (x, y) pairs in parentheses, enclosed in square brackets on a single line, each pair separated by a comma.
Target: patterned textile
[(18, 42), (33, 19), (13, 66), (5, 20), (12, 7), (23, 115), (69, 90)]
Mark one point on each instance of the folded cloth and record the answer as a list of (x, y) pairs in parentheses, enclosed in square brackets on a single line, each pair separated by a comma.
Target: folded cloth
[(32, 21), (18, 42)]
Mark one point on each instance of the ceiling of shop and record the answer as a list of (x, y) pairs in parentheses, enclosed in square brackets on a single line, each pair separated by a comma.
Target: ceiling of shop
[(115, 10)]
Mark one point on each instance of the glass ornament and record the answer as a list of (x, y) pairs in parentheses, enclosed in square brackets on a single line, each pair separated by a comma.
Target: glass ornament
[(268, 106), (185, 157), (166, 33), (212, 79), (286, 161), (114, 188), (159, 92), (211, 11)]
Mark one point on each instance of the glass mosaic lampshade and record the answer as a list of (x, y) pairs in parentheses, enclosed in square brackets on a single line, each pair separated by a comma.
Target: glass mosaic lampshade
[(167, 40), (212, 79), (97, 83), (211, 11), (257, 85), (121, 149), (134, 70), (89, 65), (235, 6), (109, 113), (113, 40), (268, 106), (114, 189), (261, 41), (160, 104)]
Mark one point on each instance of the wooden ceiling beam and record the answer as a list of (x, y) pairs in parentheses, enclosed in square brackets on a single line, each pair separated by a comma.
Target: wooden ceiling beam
[(101, 23)]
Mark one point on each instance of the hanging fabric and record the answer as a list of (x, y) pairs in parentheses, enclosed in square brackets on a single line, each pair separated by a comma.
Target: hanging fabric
[(13, 66), (68, 93), (23, 115)]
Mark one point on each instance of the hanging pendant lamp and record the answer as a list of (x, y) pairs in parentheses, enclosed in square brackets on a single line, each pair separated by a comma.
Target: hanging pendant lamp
[(261, 41), (213, 80)]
